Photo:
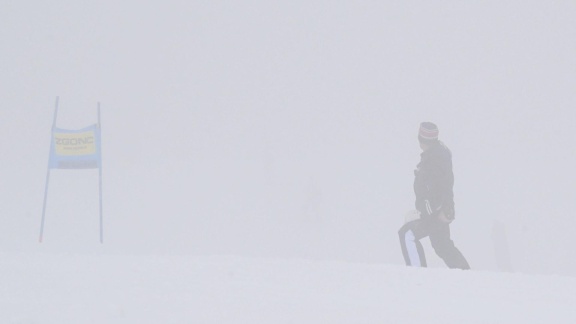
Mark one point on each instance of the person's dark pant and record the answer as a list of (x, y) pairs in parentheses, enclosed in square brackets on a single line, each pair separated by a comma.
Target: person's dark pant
[(439, 233)]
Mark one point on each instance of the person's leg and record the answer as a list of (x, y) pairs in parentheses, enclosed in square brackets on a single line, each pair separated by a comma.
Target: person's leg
[(444, 247), (412, 249)]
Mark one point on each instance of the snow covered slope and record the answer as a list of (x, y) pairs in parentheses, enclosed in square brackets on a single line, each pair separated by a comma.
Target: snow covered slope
[(216, 289)]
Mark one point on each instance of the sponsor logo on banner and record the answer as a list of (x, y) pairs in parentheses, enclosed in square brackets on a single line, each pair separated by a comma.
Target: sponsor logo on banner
[(75, 149), (75, 143)]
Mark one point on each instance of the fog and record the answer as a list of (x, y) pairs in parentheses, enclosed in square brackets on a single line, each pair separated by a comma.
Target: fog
[(288, 129)]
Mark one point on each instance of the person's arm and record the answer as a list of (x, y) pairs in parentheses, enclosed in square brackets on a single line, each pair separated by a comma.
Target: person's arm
[(441, 202)]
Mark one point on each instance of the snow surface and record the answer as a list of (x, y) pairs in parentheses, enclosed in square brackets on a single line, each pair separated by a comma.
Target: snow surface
[(283, 134), (209, 289)]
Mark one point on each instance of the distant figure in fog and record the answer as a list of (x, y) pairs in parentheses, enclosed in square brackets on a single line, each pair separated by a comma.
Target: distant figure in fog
[(433, 186)]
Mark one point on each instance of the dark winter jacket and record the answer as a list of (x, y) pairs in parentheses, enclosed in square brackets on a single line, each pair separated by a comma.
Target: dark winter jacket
[(434, 181)]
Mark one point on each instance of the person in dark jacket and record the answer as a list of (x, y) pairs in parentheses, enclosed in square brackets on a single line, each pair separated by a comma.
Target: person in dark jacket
[(433, 186)]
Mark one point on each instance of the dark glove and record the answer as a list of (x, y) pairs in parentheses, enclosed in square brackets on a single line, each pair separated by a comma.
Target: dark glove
[(447, 214)]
